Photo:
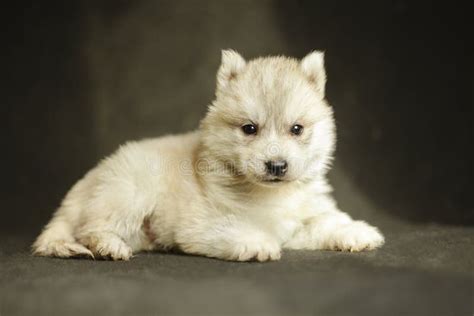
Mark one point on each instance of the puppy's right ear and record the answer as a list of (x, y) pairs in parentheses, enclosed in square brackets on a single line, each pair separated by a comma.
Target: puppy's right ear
[(231, 65)]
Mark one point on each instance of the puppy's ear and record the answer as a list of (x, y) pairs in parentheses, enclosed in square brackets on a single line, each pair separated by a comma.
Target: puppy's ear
[(231, 65), (313, 67)]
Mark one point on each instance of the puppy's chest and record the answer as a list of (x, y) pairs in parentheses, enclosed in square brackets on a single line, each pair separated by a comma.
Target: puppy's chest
[(280, 217)]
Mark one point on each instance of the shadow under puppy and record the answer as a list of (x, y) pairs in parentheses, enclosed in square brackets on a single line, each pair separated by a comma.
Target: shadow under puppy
[(249, 182)]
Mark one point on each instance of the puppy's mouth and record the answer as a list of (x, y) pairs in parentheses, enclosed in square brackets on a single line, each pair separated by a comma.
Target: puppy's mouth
[(273, 180)]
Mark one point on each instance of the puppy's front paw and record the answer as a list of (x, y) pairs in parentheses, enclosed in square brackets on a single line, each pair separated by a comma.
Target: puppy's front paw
[(260, 250), (356, 236), (114, 250), (108, 246)]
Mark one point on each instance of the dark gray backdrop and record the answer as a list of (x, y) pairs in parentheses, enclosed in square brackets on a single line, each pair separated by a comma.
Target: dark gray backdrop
[(79, 78)]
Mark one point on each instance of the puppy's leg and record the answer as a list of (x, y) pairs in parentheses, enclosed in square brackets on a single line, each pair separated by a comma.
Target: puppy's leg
[(230, 240), (57, 240), (334, 230), (106, 245)]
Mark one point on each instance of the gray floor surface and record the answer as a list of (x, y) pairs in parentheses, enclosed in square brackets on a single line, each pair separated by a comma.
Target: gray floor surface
[(422, 270)]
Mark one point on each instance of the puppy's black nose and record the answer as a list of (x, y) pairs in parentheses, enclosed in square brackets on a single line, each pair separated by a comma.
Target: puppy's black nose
[(277, 167)]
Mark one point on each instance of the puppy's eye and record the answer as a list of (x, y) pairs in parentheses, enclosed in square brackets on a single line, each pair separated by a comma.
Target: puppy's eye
[(296, 129), (249, 129)]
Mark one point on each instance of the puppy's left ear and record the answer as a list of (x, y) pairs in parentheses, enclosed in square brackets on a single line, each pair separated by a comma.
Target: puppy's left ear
[(231, 65), (313, 67)]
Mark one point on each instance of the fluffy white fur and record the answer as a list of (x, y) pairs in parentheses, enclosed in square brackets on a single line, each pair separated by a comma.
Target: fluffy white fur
[(208, 192)]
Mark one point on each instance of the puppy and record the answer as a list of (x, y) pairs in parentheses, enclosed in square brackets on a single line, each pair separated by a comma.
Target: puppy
[(248, 183)]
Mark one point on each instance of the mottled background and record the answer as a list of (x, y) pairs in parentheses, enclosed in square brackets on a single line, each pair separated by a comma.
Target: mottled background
[(81, 77)]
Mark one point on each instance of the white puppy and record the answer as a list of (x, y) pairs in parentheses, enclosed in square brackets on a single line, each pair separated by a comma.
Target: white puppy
[(249, 182)]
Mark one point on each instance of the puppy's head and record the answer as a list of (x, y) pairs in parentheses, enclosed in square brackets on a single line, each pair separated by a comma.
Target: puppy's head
[(270, 122)]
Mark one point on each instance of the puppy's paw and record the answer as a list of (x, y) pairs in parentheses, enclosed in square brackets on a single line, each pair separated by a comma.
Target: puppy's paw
[(108, 246), (259, 250), (356, 236), (114, 250), (61, 249)]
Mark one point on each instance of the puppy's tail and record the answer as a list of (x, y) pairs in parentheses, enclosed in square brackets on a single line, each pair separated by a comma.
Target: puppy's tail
[(57, 240)]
